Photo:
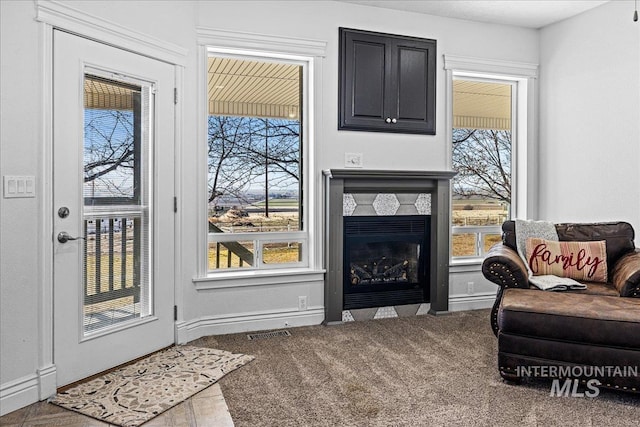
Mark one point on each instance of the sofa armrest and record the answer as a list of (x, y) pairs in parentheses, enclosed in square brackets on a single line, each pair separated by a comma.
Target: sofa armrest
[(504, 267), (625, 275)]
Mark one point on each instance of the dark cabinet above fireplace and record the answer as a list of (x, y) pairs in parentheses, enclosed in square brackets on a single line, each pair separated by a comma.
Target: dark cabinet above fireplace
[(387, 83)]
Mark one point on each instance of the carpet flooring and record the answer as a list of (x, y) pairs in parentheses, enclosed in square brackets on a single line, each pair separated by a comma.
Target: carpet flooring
[(411, 371)]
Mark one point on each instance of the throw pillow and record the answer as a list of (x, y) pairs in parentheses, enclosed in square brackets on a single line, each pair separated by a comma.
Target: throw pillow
[(577, 260)]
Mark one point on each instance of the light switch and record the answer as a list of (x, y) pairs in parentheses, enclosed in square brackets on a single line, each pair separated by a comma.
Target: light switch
[(19, 186)]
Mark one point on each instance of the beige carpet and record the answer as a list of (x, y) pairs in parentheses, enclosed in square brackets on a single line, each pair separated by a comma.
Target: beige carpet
[(131, 395), (413, 371)]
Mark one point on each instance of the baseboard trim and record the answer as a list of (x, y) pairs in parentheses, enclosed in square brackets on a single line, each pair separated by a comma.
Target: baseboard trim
[(471, 302), (246, 322), (27, 390), (18, 394), (47, 381)]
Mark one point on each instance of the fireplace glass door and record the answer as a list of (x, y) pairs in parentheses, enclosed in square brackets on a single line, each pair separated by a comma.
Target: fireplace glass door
[(385, 261)]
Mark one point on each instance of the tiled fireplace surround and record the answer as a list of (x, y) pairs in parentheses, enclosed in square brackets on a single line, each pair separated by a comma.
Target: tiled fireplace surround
[(382, 192)]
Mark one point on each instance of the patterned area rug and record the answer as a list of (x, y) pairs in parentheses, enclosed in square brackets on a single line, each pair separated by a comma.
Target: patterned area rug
[(133, 394)]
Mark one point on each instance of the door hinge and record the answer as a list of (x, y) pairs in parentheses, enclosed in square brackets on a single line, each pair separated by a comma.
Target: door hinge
[(175, 95), (175, 312), (175, 204)]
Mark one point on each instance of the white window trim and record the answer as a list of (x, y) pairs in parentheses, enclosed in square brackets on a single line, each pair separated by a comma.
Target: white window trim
[(310, 52), (72, 20), (524, 75)]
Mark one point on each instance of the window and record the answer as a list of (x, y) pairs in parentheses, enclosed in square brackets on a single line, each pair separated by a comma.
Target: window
[(482, 154), (118, 123), (255, 163), (491, 126)]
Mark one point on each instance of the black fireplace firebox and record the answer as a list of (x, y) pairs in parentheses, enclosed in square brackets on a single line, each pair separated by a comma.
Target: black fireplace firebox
[(386, 260)]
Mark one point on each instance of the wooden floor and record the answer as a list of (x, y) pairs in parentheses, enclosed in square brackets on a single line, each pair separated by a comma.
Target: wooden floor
[(206, 408)]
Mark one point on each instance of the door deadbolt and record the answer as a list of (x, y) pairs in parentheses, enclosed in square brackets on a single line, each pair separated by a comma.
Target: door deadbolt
[(63, 212)]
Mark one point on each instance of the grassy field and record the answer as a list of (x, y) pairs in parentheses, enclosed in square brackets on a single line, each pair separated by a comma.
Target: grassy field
[(91, 269), (472, 215), (273, 253), (279, 203)]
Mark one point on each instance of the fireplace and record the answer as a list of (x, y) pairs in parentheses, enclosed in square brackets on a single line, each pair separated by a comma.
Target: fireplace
[(339, 182), (386, 260)]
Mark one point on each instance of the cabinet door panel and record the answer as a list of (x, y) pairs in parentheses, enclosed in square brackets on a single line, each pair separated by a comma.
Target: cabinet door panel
[(414, 88), (412, 84), (368, 80), (364, 64)]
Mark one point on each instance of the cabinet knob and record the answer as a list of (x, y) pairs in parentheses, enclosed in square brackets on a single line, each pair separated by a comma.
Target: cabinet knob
[(394, 120), (388, 120)]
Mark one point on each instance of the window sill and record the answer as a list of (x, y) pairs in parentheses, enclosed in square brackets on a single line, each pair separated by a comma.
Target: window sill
[(239, 279), (466, 264)]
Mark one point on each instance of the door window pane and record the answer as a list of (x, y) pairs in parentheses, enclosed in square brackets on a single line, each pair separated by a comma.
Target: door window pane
[(116, 193)]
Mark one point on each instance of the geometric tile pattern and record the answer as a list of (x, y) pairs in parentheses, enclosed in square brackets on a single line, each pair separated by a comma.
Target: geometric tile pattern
[(423, 204), (347, 316), (348, 204), (358, 314), (386, 204), (386, 313), (424, 309)]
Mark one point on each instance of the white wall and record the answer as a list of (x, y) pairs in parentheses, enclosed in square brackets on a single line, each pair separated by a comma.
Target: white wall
[(590, 117), (19, 218), (320, 21), (236, 307)]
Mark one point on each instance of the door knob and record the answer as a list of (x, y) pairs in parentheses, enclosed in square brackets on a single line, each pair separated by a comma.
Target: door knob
[(64, 237), (388, 120), (394, 120)]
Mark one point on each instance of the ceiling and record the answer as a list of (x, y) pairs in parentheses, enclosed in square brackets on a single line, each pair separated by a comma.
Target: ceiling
[(481, 105), (239, 87), (521, 13)]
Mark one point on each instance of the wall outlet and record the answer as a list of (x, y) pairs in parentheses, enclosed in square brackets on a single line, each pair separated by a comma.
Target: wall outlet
[(302, 303), (353, 160), (470, 289)]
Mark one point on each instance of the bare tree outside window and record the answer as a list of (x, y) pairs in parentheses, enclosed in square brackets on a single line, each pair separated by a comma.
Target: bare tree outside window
[(482, 189), (108, 153), (254, 167), (482, 158)]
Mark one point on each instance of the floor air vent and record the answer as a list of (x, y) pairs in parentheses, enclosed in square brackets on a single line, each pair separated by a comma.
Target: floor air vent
[(272, 334)]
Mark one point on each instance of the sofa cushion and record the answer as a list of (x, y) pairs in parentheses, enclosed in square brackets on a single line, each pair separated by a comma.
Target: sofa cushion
[(582, 318), (576, 260), (597, 288), (618, 235)]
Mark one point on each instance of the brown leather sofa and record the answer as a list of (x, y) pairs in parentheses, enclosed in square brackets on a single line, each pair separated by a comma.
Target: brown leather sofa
[(578, 330)]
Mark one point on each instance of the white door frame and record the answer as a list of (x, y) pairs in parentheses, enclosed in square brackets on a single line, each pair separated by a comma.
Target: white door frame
[(55, 15)]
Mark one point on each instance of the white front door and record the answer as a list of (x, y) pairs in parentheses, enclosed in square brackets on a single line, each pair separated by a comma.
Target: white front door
[(113, 172)]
